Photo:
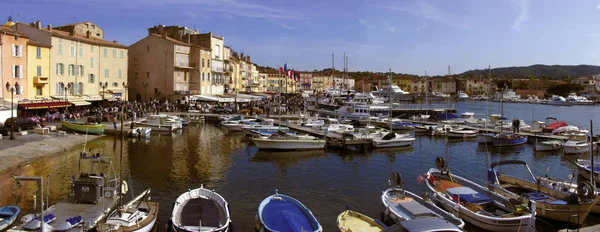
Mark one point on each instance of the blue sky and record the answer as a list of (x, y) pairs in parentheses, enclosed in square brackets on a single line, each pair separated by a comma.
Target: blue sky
[(408, 36)]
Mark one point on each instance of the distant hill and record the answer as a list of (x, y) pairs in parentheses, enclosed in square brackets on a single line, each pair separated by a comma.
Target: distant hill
[(538, 70)]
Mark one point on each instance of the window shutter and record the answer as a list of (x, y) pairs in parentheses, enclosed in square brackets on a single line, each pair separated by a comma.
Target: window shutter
[(14, 50), (20, 71), (13, 71), (21, 90), (20, 51)]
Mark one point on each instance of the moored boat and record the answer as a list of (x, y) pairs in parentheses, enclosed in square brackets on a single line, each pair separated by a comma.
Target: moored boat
[(461, 133), (8, 215), (548, 145), (83, 127), (159, 123), (200, 210), (476, 204), (553, 203), (279, 213), (139, 215), (485, 137), (578, 143), (350, 220), (391, 139), (508, 139), (141, 132), (285, 141), (402, 205)]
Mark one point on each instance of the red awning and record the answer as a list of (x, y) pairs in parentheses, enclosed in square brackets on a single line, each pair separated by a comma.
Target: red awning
[(43, 105)]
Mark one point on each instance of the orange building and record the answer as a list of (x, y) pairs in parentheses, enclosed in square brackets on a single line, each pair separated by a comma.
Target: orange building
[(13, 57)]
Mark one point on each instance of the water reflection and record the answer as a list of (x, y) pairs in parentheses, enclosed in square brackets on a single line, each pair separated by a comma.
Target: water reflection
[(284, 158)]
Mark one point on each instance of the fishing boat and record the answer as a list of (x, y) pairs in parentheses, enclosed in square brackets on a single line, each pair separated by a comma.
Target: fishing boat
[(350, 220), (420, 225), (584, 167), (505, 139), (93, 194), (159, 123), (279, 213), (140, 132), (139, 215), (391, 139), (285, 141), (461, 133), (402, 205), (578, 143), (8, 215), (462, 96), (83, 127), (200, 210), (555, 204), (476, 204), (548, 145)]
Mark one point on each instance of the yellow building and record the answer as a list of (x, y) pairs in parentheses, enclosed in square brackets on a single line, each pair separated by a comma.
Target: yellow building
[(38, 70)]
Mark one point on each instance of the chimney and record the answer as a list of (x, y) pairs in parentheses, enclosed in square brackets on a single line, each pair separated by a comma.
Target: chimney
[(72, 33), (88, 34), (38, 24), (242, 56), (189, 38), (115, 41), (248, 57), (49, 27), (161, 29)]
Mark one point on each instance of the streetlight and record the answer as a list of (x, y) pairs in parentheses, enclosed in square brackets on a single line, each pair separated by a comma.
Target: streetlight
[(12, 90), (145, 87), (125, 86), (103, 87), (66, 88)]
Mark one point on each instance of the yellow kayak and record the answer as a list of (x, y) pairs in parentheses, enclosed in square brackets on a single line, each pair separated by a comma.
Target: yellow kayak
[(352, 221)]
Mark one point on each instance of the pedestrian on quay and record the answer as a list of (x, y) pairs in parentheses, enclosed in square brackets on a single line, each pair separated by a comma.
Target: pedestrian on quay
[(518, 125), (514, 125), (114, 119)]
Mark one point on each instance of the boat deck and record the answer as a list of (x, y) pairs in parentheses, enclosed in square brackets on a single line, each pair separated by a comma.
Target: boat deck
[(201, 210), (91, 213)]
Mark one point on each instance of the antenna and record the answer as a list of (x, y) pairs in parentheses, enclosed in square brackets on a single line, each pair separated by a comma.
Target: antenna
[(449, 72)]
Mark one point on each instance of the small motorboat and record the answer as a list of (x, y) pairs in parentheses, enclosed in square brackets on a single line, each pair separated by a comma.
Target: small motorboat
[(35, 223), (8, 215), (140, 132), (83, 127), (485, 137), (402, 205), (279, 213), (508, 139), (476, 204), (285, 141), (200, 210), (578, 143), (462, 133), (138, 215), (69, 223), (350, 221), (548, 145), (391, 139)]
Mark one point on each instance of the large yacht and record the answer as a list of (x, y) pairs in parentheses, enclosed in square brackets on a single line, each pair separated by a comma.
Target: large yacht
[(558, 101), (462, 96), (396, 93), (579, 100)]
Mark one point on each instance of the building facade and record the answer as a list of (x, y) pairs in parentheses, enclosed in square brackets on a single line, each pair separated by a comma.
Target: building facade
[(13, 57), (588, 84), (38, 70)]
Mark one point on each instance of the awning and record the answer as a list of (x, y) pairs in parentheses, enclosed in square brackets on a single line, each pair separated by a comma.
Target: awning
[(116, 90), (204, 98), (43, 105), (94, 98), (80, 102)]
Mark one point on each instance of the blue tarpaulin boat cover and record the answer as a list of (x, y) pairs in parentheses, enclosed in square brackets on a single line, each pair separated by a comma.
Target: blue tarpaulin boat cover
[(281, 215), (469, 195)]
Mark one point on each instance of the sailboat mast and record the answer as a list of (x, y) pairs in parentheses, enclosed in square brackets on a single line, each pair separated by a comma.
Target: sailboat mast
[(121, 166), (592, 155), (391, 102)]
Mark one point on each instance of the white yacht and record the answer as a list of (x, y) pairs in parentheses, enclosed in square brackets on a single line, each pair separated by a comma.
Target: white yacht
[(578, 143), (159, 123), (508, 95), (462, 96), (332, 124), (579, 100), (285, 141), (396, 93), (558, 101)]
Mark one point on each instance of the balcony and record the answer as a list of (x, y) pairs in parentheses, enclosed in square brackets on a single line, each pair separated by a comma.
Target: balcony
[(40, 80), (183, 65)]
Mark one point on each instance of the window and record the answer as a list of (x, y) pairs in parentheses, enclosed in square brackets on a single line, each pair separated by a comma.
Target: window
[(122, 55), (17, 71), (91, 48), (106, 73), (217, 51), (60, 49), (202, 77), (120, 73), (38, 52), (81, 51), (39, 70), (91, 79), (58, 88), (17, 50), (114, 53), (72, 71), (80, 70), (38, 90), (72, 89), (136, 61), (80, 87), (105, 52), (60, 69), (72, 51), (91, 62), (203, 63)]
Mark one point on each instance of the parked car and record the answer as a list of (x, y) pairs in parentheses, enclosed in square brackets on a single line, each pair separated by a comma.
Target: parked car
[(20, 124)]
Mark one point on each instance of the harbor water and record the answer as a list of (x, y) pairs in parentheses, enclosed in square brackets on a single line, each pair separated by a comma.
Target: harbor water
[(325, 181)]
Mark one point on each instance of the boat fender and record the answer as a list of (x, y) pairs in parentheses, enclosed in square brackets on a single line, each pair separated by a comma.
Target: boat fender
[(585, 191), (124, 187)]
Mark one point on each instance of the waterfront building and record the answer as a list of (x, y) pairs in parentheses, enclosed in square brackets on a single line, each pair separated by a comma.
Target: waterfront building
[(305, 81), (319, 83), (442, 85), (475, 86), (588, 84), (200, 75), (13, 61), (262, 77), (274, 82), (38, 70), (81, 58), (230, 77), (342, 82)]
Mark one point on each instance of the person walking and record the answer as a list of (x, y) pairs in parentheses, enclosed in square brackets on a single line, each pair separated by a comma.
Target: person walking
[(518, 125), (114, 119)]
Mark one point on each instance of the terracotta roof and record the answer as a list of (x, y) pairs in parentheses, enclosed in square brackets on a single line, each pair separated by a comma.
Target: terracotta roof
[(80, 38), (37, 43), (73, 24), (11, 31)]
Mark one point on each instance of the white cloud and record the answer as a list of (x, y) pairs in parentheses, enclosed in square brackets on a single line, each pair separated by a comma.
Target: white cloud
[(592, 34), (422, 27), (427, 11), (365, 24), (191, 15), (523, 15), (388, 26), (598, 7)]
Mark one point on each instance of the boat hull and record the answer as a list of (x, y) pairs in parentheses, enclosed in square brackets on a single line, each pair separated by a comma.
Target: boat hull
[(272, 144), (453, 134), (96, 129), (577, 149), (506, 142), (546, 147), (349, 221), (379, 143), (484, 138), (154, 127), (271, 217), (13, 211)]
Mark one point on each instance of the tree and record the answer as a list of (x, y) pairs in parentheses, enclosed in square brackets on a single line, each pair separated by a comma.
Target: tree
[(564, 89)]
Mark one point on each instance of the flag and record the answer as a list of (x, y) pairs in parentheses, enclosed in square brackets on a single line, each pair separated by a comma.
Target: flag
[(285, 68), (289, 73), (420, 179), (281, 70)]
